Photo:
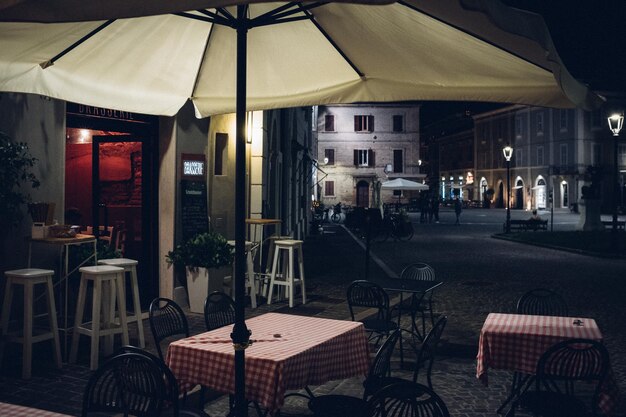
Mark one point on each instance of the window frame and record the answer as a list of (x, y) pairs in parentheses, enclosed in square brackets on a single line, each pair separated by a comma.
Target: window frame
[(397, 169), (363, 123), (330, 154), (397, 128), (329, 184), (331, 118)]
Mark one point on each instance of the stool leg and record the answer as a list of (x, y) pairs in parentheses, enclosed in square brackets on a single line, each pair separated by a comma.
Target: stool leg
[(80, 310), (52, 314), (6, 310), (272, 277), (121, 305), (301, 266), (137, 306), (290, 279), (28, 331), (109, 295), (95, 324)]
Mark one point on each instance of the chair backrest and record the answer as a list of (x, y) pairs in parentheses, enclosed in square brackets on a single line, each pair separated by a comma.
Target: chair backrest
[(166, 319), (573, 360), (542, 302), (367, 294), (408, 399), (171, 384), (418, 271), (129, 383), (381, 365), (428, 347), (219, 310)]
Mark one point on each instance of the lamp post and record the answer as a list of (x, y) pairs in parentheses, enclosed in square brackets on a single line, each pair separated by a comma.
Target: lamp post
[(616, 121), (508, 153)]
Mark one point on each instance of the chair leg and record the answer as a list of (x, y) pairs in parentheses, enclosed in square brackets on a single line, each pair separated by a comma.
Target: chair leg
[(95, 324), (290, 279), (137, 306), (302, 282), (80, 309), (272, 278), (54, 327)]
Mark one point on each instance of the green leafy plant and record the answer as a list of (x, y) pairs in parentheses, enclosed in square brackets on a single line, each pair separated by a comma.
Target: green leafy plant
[(204, 250), (15, 169)]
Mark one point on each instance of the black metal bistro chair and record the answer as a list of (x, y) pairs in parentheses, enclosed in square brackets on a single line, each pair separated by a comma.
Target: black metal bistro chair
[(407, 399), (219, 310), (167, 319), (418, 303), (564, 372), (368, 295), (542, 302)]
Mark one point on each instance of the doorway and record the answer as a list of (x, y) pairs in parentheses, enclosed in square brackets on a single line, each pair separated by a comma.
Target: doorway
[(362, 194), (110, 190)]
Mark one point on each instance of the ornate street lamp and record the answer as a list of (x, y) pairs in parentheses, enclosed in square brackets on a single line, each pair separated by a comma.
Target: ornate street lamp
[(616, 121), (508, 153)]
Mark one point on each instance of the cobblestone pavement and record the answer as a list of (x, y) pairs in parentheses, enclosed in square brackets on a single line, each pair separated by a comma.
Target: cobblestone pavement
[(481, 275)]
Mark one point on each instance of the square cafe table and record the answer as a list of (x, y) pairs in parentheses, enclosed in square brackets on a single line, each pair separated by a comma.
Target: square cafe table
[(516, 342), (12, 410), (288, 352)]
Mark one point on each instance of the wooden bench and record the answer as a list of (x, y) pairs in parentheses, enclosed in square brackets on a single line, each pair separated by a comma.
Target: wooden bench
[(529, 224), (608, 224)]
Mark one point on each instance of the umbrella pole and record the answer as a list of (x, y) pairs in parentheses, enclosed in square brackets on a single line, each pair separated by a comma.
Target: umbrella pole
[(240, 334)]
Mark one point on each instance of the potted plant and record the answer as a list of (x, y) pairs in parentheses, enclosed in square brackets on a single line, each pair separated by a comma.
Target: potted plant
[(15, 170), (207, 259)]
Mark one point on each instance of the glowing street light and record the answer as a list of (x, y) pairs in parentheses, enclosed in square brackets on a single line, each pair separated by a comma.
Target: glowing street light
[(616, 121), (508, 153)]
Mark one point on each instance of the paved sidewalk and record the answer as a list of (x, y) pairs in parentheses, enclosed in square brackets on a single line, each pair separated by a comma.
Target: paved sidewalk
[(481, 275)]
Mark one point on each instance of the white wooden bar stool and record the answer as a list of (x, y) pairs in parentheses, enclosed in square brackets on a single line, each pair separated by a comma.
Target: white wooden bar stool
[(130, 267), (286, 249), (103, 303), (28, 278)]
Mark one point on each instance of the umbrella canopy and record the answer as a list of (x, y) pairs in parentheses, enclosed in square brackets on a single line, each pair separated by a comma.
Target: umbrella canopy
[(299, 54), (402, 184)]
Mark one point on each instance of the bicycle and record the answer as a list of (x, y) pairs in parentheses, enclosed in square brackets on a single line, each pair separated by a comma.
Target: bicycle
[(395, 225), (336, 216)]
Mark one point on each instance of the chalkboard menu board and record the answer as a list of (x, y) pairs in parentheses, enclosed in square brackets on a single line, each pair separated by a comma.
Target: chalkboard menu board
[(194, 208)]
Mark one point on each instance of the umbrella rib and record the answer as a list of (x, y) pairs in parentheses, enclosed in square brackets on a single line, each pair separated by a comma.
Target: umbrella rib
[(206, 45), (333, 43), (417, 9), (210, 18), (280, 14), (58, 56)]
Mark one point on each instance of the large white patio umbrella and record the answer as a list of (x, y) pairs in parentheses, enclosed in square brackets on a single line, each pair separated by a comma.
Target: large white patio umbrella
[(404, 184), (299, 54)]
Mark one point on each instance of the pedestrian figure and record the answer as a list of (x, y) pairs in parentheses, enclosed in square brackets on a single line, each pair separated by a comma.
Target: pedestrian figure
[(458, 208), (435, 207)]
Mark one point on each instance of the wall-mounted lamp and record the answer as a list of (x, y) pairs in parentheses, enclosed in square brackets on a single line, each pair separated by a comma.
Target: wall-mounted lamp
[(616, 122), (388, 169), (249, 126)]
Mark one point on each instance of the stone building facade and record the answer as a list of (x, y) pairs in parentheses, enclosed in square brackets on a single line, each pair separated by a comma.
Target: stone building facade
[(361, 146), (552, 150)]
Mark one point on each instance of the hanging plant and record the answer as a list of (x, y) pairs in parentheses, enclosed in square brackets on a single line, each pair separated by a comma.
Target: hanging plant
[(15, 171)]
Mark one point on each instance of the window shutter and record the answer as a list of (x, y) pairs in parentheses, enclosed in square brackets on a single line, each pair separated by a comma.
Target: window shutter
[(356, 123), (370, 158), (356, 157), (370, 123)]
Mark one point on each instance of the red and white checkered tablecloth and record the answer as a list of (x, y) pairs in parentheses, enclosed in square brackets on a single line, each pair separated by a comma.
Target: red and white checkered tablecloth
[(12, 410), (289, 352), (516, 342)]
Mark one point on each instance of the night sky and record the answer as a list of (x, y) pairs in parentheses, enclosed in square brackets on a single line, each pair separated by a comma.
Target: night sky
[(590, 38)]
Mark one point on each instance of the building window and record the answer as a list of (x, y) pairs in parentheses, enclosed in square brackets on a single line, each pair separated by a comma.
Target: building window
[(621, 155), (398, 123), (398, 160), (518, 126), (363, 157), (221, 153), (540, 123), (596, 154), (519, 161), (563, 119), (329, 188), (363, 123), (329, 154), (596, 119), (540, 155), (563, 154), (329, 123)]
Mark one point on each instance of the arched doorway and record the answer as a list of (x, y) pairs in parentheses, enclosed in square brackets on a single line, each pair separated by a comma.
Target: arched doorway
[(564, 194), (362, 194), (500, 198), (519, 194), (540, 193)]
